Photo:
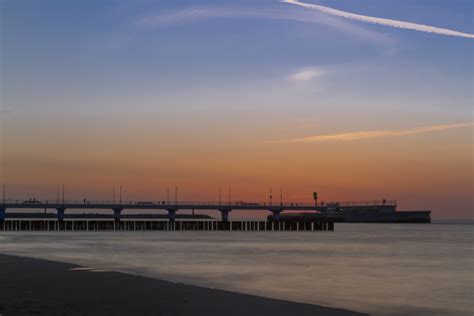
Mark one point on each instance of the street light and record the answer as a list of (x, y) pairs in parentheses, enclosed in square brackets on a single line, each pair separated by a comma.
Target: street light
[(281, 196)]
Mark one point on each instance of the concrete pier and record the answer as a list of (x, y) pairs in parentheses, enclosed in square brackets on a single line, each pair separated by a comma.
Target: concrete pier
[(225, 209)]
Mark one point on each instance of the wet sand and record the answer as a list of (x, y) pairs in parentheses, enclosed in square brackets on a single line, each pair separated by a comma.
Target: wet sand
[(39, 287)]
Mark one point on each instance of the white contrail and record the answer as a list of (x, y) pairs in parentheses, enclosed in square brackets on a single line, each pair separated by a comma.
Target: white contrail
[(381, 21), (360, 135)]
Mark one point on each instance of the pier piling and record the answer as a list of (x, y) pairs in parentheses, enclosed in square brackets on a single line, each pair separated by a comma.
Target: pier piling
[(125, 224)]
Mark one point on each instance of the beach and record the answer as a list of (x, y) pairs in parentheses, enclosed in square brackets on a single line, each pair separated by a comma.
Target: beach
[(41, 287)]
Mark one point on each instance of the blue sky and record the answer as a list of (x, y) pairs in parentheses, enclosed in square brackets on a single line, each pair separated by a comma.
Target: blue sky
[(94, 48)]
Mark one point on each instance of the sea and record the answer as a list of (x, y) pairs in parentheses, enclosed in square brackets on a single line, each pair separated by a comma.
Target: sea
[(380, 269)]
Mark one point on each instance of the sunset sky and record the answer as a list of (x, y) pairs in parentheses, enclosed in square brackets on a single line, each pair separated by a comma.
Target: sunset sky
[(247, 94)]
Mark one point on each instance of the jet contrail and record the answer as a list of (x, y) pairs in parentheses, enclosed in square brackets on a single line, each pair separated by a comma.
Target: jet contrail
[(387, 22), (360, 135)]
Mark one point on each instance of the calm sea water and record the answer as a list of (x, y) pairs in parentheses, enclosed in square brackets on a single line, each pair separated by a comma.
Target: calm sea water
[(382, 269)]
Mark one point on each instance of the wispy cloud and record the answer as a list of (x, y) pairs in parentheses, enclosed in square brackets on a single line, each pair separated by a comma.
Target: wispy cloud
[(306, 74), (381, 21), (194, 14), (361, 135)]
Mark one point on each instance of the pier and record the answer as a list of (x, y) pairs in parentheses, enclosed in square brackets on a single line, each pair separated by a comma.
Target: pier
[(172, 208), (323, 219)]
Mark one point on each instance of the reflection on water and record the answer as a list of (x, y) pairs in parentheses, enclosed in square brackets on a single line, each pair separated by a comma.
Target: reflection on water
[(383, 269)]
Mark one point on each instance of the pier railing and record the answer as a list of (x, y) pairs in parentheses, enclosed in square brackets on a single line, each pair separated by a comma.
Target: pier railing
[(200, 204)]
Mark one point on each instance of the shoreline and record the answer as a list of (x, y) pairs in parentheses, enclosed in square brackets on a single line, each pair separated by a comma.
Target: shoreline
[(42, 287)]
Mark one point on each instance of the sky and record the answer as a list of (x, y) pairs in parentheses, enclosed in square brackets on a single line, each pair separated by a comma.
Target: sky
[(357, 100)]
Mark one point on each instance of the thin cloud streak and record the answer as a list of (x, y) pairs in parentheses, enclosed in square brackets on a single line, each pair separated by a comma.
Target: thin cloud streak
[(306, 74), (195, 14), (362, 135), (381, 21)]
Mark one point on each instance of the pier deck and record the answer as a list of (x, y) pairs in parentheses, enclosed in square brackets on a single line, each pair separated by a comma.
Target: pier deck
[(172, 208)]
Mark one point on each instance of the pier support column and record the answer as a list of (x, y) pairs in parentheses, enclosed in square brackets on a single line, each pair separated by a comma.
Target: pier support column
[(172, 214), (2, 213), (117, 213), (276, 214), (60, 213), (225, 214), (2, 217)]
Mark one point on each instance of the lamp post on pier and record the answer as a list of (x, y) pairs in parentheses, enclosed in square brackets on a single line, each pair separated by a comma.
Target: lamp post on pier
[(281, 196)]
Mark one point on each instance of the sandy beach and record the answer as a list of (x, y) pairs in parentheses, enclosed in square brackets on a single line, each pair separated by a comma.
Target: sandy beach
[(40, 287)]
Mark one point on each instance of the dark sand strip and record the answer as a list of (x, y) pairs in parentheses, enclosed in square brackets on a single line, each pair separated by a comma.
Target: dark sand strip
[(39, 287)]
